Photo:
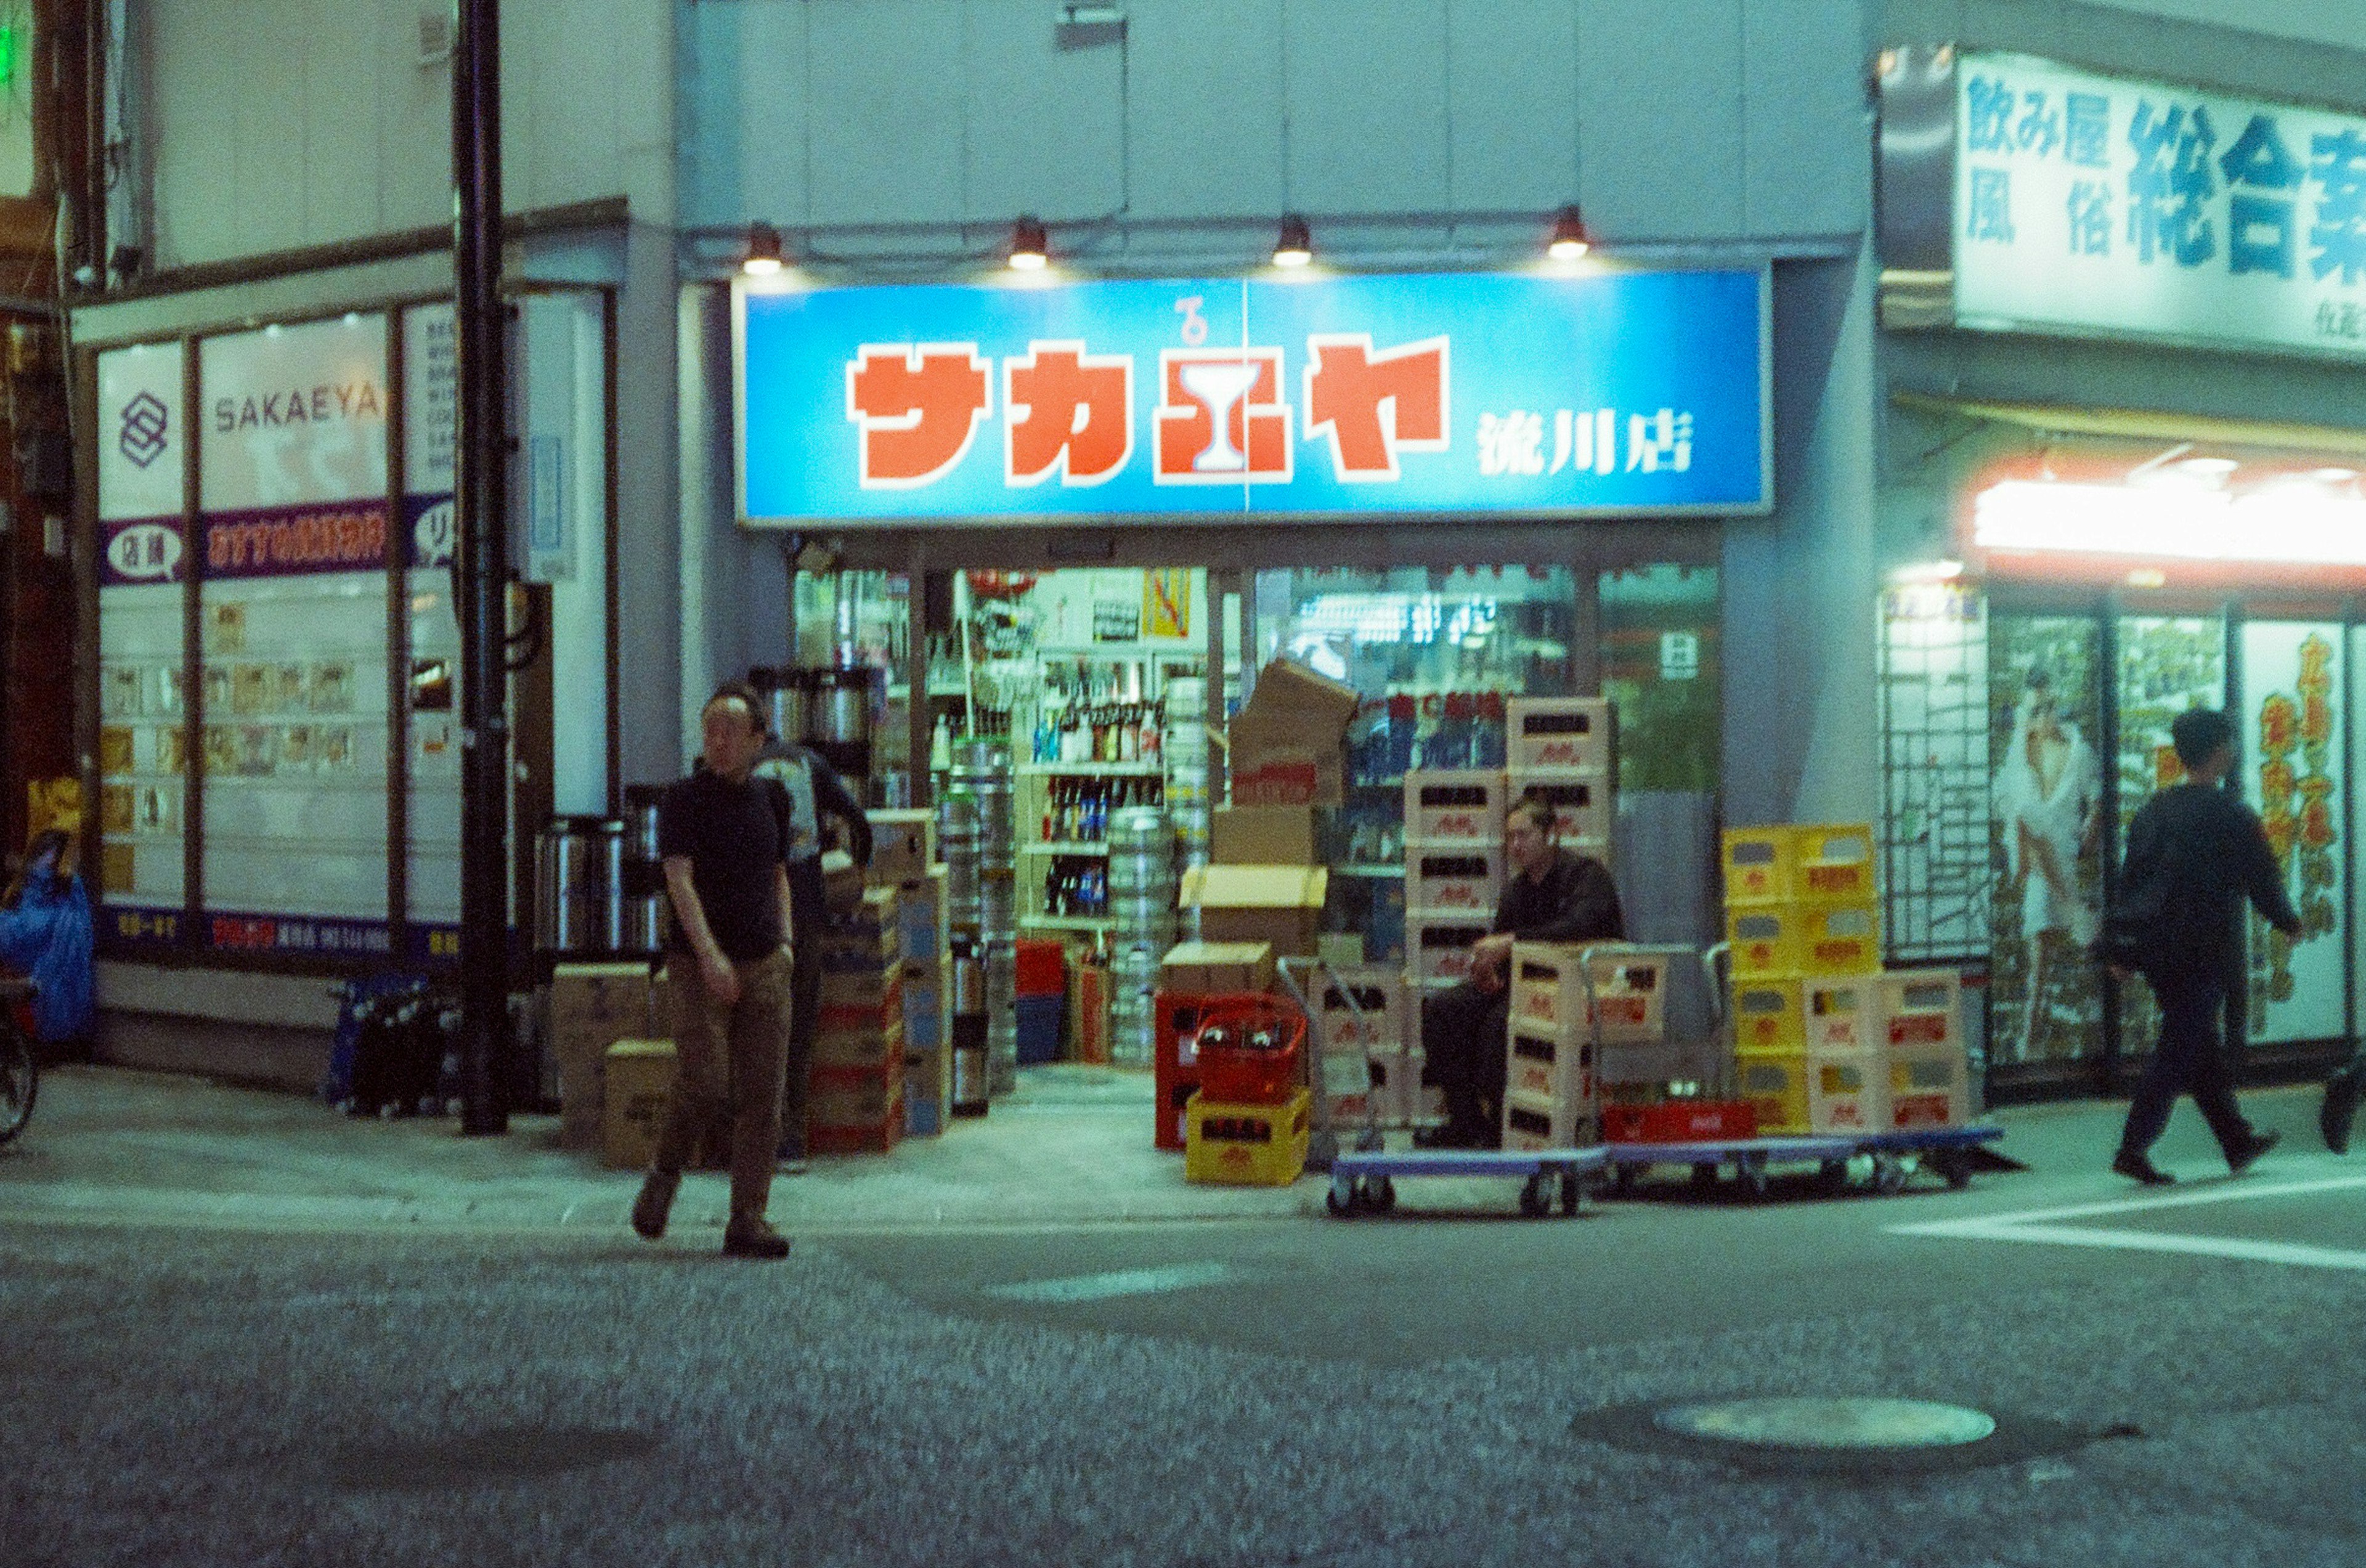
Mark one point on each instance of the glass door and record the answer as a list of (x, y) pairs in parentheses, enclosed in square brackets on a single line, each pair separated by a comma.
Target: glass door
[(2045, 675), (2168, 664)]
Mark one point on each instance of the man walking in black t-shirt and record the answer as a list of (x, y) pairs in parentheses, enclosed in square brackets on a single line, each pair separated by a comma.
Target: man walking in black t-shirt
[(720, 836), (1550, 894), (2194, 854)]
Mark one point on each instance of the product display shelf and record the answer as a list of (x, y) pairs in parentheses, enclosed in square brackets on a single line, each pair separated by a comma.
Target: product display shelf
[(1092, 770), (1065, 847)]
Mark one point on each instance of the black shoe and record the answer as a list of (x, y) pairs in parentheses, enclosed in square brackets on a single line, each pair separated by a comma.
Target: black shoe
[(757, 1240), (2342, 1092), (655, 1202), (2236, 1164), (2138, 1168)]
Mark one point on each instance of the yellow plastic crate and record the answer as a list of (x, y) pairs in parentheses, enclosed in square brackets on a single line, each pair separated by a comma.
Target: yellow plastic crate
[(1767, 1016), (1833, 863), (1837, 939), (1246, 1146), (1757, 864), (1764, 940), (1776, 1089)]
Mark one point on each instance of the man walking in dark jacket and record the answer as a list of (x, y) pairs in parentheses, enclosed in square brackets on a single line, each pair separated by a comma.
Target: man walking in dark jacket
[(2196, 852), (1550, 895)]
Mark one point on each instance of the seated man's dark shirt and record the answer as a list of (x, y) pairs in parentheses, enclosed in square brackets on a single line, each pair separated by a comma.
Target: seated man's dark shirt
[(1573, 901)]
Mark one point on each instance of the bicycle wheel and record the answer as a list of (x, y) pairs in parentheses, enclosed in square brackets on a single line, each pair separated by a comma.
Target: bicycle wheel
[(20, 1079)]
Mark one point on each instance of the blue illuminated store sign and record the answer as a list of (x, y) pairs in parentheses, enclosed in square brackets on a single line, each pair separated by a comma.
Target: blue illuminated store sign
[(1457, 395)]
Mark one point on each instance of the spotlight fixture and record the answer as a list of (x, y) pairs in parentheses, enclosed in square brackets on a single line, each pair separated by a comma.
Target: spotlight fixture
[(1296, 246), (1570, 240), (763, 256), (1028, 248)]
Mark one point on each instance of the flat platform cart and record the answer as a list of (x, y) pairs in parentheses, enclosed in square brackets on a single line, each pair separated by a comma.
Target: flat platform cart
[(1946, 1150), (1363, 1182)]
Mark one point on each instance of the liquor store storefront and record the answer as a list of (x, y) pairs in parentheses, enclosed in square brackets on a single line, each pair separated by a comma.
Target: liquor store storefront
[(1082, 515)]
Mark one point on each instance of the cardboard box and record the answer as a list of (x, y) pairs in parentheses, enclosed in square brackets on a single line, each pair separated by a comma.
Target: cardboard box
[(1274, 904), (592, 1006), (928, 1092), (903, 846), (1264, 835), (841, 881), (853, 1097), (1089, 1013), (859, 988), (1288, 745), (918, 919), (1217, 968), (871, 1043), (638, 1074)]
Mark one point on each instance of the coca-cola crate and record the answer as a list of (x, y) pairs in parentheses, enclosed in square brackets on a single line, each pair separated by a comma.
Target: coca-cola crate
[(1574, 733), (1454, 807), (1680, 1122), (1453, 879)]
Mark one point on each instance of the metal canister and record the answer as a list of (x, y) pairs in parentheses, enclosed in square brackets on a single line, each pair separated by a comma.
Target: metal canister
[(838, 712), (788, 695), (579, 884), (647, 911), (957, 841), (972, 1075), (982, 770)]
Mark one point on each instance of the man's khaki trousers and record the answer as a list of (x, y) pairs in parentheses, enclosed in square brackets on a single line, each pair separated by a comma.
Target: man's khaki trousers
[(729, 1058)]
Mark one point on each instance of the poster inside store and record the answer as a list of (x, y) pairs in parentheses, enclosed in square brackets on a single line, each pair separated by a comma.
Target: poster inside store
[(2291, 773)]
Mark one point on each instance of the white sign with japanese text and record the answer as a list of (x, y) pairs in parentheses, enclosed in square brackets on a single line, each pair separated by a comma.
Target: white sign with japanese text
[(2124, 207)]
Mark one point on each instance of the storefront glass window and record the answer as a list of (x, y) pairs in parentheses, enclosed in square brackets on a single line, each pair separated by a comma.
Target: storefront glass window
[(1660, 656), (2292, 774), (144, 568), (293, 611), (2046, 803)]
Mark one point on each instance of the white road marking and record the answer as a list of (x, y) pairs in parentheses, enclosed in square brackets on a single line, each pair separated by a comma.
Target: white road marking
[(2045, 1226), (1120, 1283)]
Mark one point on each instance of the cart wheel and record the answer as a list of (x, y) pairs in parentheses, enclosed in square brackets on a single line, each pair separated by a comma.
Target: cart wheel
[(1534, 1202), (1571, 1192), (1382, 1195), (1752, 1169), (1832, 1176), (1704, 1178), (1888, 1174), (1955, 1165), (1341, 1198)]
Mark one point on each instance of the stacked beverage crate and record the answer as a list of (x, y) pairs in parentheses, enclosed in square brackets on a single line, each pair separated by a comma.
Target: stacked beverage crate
[(1567, 748), (1801, 921), (1561, 1009), (1454, 870)]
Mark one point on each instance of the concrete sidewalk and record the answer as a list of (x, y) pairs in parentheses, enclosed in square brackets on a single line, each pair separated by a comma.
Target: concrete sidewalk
[(1072, 1146)]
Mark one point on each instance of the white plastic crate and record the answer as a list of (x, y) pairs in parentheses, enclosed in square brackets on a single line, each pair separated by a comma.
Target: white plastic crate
[(1584, 806), (1440, 950), (1454, 880), (1848, 1092), (1530, 1123), (1574, 733), (1377, 1022), (1548, 995), (1460, 807), (1921, 1008), (1841, 1012), (1544, 1068)]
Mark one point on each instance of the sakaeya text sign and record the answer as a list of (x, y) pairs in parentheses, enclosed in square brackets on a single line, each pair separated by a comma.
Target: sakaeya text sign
[(2137, 208), (1480, 394)]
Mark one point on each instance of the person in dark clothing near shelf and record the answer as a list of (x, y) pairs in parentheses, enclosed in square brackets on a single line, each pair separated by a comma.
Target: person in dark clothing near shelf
[(815, 792), (2194, 854), (720, 836), (1550, 894)]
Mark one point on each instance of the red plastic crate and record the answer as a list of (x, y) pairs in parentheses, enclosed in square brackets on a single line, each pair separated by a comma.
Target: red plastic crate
[(1680, 1122), (1174, 1065)]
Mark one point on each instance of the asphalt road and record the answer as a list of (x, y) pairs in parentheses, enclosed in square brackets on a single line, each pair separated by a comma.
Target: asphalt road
[(2172, 1376)]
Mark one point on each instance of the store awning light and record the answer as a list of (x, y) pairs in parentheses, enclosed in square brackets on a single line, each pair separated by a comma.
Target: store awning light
[(1296, 245), (1030, 248), (764, 257), (1570, 240), (2297, 524)]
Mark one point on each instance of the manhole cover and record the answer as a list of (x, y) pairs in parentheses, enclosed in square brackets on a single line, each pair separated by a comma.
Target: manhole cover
[(1830, 1424)]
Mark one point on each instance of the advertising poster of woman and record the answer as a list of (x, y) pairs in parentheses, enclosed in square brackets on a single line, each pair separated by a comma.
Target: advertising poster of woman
[(2047, 802)]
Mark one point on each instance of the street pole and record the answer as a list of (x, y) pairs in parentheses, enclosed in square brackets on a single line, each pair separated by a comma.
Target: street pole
[(483, 460)]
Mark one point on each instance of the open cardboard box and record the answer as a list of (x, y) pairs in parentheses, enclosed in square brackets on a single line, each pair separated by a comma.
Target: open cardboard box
[(1288, 744), (1279, 905)]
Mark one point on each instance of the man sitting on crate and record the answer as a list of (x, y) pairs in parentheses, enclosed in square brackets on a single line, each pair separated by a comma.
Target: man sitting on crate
[(1550, 894)]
